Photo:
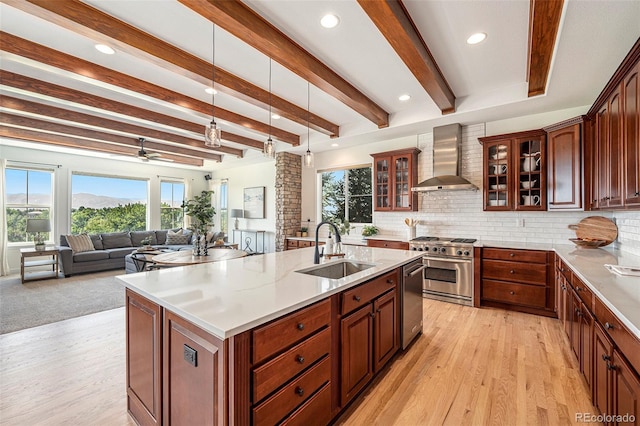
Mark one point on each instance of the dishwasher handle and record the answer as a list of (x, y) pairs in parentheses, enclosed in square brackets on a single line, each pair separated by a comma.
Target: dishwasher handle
[(415, 271)]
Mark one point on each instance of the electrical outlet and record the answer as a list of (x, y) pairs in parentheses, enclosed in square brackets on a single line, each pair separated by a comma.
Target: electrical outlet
[(190, 355), (520, 222)]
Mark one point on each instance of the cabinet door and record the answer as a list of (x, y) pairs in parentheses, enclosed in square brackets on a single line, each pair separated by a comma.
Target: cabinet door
[(614, 198), (626, 391), (575, 324), (530, 183), (602, 156), (386, 329), (564, 154), (356, 352), (568, 308), (497, 182), (382, 180), (586, 343), (601, 380), (632, 137), (403, 197)]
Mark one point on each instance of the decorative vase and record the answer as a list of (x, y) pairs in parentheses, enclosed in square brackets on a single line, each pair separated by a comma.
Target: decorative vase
[(196, 244)]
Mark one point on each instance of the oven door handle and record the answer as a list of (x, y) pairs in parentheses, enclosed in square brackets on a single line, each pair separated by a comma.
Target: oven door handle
[(443, 259), (415, 271)]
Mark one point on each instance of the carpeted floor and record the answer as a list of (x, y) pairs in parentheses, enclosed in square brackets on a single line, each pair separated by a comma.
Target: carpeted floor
[(42, 302)]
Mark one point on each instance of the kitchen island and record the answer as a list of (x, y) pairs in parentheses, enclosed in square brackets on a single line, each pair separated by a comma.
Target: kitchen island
[(253, 341)]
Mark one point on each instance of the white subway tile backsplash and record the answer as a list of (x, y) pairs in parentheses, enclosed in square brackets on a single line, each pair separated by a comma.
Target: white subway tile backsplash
[(460, 214)]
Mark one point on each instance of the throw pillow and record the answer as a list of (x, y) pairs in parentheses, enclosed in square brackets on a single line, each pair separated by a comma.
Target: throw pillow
[(177, 238), (80, 243)]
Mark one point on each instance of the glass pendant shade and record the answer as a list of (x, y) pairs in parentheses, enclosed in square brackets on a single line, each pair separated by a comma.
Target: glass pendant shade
[(212, 135), (307, 159), (269, 149)]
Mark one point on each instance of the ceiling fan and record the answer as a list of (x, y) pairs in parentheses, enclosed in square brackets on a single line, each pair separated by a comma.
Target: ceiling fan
[(146, 156)]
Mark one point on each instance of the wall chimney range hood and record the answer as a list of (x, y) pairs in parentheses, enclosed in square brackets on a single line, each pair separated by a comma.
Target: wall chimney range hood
[(446, 162)]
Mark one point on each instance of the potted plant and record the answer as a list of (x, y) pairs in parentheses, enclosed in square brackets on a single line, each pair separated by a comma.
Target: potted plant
[(201, 212), (146, 244), (369, 230), (303, 231)]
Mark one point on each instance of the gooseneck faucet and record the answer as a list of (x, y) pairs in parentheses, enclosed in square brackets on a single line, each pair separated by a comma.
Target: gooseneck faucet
[(316, 255)]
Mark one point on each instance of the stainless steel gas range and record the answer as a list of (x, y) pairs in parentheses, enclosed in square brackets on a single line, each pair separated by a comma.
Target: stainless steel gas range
[(448, 268)]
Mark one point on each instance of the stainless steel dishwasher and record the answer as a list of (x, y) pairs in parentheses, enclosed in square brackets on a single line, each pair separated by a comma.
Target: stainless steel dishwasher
[(411, 301)]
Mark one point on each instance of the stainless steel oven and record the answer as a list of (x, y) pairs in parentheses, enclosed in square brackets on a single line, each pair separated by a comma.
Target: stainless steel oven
[(447, 279)]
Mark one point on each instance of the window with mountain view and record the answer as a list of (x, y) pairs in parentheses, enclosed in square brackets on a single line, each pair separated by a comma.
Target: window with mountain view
[(101, 204), (28, 196), (171, 198), (347, 195)]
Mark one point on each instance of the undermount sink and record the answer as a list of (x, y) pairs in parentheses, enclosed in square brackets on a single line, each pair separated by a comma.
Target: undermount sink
[(336, 270)]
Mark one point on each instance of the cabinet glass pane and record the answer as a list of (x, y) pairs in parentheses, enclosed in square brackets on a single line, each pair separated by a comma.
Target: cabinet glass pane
[(402, 182), (529, 173)]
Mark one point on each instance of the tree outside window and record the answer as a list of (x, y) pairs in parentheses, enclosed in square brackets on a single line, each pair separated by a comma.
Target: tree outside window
[(171, 198), (28, 196), (347, 195)]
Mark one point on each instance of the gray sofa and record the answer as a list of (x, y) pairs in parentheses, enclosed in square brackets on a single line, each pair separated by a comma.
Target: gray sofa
[(110, 250)]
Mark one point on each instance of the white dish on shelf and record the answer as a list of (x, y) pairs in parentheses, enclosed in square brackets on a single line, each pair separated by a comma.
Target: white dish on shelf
[(499, 186), (528, 184), (497, 202), (499, 155)]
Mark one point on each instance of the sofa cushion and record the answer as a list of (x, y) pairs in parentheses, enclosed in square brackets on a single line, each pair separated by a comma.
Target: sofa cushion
[(138, 236), (161, 236), (97, 241), (116, 240), (80, 243), (90, 256), (119, 253), (178, 237)]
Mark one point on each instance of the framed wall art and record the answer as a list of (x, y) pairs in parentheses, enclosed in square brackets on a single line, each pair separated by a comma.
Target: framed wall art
[(254, 202)]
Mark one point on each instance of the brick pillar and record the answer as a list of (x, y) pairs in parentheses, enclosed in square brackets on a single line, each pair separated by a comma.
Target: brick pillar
[(288, 196)]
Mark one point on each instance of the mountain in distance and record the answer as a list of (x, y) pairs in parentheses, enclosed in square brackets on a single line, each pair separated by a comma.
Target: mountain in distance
[(100, 201)]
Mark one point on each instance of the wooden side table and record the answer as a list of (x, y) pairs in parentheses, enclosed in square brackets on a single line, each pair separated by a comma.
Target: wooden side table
[(51, 257)]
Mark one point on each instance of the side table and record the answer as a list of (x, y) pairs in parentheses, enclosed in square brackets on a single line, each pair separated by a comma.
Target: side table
[(51, 257)]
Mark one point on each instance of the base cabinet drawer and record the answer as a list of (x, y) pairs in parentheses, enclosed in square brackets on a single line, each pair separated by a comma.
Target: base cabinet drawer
[(515, 255), (530, 273), (361, 295), (517, 294), (314, 411)]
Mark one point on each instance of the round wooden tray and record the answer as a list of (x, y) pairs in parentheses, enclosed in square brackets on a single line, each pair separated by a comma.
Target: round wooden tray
[(587, 243), (596, 228)]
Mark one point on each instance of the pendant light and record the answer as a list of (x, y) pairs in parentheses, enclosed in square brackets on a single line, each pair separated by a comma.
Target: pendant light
[(269, 149), (212, 131), (307, 158)]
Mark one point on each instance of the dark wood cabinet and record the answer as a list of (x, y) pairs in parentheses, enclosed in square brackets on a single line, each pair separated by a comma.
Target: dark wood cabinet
[(564, 165), (357, 352), (394, 174), (602, 356), (515, 171), (400, 245), (626, 390), (631, 137), (386, 328), (609, 152)]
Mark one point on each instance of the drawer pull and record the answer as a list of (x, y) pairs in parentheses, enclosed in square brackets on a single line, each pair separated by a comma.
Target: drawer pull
[(390, 281), (299, 391), (356, 298), (608, 326), (611, 366), (512, 254), (512, 271), (300, 326), (578, 288), (299, 359), (605, 357), (512, 292)]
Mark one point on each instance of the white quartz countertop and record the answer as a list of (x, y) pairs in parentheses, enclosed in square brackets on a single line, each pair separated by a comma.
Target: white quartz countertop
[(230, 297)]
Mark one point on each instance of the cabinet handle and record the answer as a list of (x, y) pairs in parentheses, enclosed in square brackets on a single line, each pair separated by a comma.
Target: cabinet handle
[(390, 281), (512, 271), (299, 391), (300, 359), (608, 326), (605, 357), (512, 254), (356, 298), (372, 314), (512, 292), (578, 288), (611, 366), (300, 326), (637, 194), (579, 313)]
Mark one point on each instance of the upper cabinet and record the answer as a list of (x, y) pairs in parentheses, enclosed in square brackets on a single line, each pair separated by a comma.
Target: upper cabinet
[(394, 173), (515, 171), (564, 165), (613, 149)]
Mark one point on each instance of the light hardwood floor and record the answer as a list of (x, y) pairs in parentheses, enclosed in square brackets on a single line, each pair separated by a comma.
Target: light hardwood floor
[(471, 366)]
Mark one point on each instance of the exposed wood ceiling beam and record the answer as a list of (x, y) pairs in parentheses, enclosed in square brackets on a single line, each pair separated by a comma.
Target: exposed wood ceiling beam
[(53, 90), (239, 20), (90, 22), (36, 52), (544, 22), (395, 24), (21, 105), (13, 120), (73, 142)]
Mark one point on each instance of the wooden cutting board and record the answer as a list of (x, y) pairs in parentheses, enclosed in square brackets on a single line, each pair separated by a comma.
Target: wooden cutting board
[(596, 228)]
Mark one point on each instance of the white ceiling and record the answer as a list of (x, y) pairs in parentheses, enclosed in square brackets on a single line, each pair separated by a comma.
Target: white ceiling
[(489, 79)]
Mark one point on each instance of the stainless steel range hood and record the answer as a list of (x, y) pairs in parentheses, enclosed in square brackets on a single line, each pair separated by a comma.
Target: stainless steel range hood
[(446, 162)]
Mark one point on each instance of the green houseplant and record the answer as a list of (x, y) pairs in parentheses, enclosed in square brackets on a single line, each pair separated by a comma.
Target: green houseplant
[(369, 230), (201, 212)]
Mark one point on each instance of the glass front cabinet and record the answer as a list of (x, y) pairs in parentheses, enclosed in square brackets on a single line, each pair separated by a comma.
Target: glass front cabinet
[(515, 171), (394, 173)]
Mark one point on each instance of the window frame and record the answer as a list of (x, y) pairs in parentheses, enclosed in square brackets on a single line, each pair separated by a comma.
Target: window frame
[(346, 169), (184, 196)]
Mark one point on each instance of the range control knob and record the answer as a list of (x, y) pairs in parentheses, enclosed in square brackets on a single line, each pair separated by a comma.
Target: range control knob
[(443, 250), (459, 252), (419, 248), (466, 253), (414, 248), (434, 249)]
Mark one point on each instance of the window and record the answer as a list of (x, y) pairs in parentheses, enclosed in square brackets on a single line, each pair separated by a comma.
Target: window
[(29, 195), (171, 198), (107, 204), (224, 210), (347, 195)]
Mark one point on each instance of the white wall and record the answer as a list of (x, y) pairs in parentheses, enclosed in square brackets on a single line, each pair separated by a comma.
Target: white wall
[(73, 163), (263, 174)]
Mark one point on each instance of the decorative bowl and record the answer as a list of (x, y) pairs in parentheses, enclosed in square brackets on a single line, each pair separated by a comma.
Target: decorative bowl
[(499, 155), (587, 243)]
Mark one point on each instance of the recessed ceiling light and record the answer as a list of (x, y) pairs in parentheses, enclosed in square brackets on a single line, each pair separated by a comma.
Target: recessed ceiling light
[(329, 21), (404, 97), (211, 91), (476, 38), (334, 145), (275, 116), (107, 50)]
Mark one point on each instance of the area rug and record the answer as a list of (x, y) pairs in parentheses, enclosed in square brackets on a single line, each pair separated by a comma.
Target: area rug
[(42, 302)]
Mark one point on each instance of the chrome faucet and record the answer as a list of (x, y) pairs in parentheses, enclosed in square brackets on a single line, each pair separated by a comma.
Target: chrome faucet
[(316, 255)]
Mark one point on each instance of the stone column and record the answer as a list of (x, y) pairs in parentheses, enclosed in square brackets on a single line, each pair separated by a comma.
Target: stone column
[(288, 196)]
